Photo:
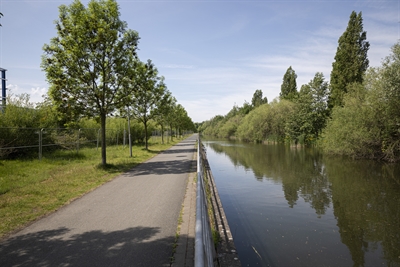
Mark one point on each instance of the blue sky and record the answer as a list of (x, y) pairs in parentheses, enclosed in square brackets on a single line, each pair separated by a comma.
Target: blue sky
[(213, 54)]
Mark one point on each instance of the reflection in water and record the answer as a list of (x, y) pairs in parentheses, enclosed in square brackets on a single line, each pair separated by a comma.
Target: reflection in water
[(292, 207)]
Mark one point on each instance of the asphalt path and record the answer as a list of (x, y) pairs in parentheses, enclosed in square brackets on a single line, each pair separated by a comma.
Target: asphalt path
[(130, 221)]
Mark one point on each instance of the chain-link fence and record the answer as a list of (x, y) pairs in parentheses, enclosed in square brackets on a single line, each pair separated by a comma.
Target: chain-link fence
[(15, 142)]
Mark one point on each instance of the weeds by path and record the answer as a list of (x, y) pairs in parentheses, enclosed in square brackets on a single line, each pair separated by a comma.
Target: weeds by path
[(30, 189)]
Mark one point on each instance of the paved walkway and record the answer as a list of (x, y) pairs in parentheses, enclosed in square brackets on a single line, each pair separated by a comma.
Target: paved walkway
[(130, 221)]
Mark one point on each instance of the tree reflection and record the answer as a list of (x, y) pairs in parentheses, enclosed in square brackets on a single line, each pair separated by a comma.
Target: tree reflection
[(365, 195), (300, 171), (366, 204)]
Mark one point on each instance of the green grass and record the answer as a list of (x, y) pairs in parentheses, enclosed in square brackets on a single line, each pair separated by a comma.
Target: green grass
[(30, 189)]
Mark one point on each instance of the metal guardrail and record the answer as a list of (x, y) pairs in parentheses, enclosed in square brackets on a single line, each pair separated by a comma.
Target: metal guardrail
[(204, 245)]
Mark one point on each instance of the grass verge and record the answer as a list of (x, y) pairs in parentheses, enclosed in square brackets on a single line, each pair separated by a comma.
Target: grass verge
[(30, 189)]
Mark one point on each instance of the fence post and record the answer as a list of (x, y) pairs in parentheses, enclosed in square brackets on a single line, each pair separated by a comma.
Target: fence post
[(40, 143), (124, 139), (77, 143)]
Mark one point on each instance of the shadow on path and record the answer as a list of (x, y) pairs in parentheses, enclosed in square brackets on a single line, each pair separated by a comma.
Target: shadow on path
[(173, 151), (178, 166), (129, 247)]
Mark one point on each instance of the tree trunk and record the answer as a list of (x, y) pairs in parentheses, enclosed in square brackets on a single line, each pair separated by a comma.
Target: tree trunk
[(162, 134), (145, 134), (103, 140)]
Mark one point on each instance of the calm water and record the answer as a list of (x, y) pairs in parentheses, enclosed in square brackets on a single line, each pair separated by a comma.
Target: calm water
[(294, 207)]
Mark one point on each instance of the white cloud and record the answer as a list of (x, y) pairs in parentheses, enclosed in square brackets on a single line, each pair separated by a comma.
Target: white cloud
[(209, 107), (38, 91), (13, 88)]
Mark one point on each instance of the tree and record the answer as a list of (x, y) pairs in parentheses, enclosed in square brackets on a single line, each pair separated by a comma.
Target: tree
[(1, 14), (183, 121), (246, 108), (390, 80), (311, 113), (289, 86), (90, 60), (148, 92), (258, 99), (352, 129), (351, 60), (161, 112), (318, 88)]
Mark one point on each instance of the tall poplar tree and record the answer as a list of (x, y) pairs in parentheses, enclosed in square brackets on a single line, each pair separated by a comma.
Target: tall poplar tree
[(88, 63), (351, 60), (289, 85)]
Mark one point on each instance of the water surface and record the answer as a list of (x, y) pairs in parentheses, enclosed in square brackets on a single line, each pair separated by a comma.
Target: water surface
[(294, 207)]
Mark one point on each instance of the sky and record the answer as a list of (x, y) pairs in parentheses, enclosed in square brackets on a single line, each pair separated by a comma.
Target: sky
[(214, 54)]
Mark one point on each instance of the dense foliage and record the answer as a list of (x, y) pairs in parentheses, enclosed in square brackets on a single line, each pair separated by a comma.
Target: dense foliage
[(368, 124)]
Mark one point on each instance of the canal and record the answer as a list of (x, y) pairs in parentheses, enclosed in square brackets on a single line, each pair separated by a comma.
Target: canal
[(290, 206)]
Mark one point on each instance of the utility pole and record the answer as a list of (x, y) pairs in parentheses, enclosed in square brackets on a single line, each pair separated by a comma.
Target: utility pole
[(3, 89)]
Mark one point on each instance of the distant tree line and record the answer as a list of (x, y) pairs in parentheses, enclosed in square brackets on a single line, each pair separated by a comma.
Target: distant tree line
[(94, 73), (356, 114)]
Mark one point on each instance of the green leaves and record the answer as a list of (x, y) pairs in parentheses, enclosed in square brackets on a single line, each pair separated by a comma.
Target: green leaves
[(311, 113), (148, 90), (258, 99), (88, 60), (351, 60), (289, 86)]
